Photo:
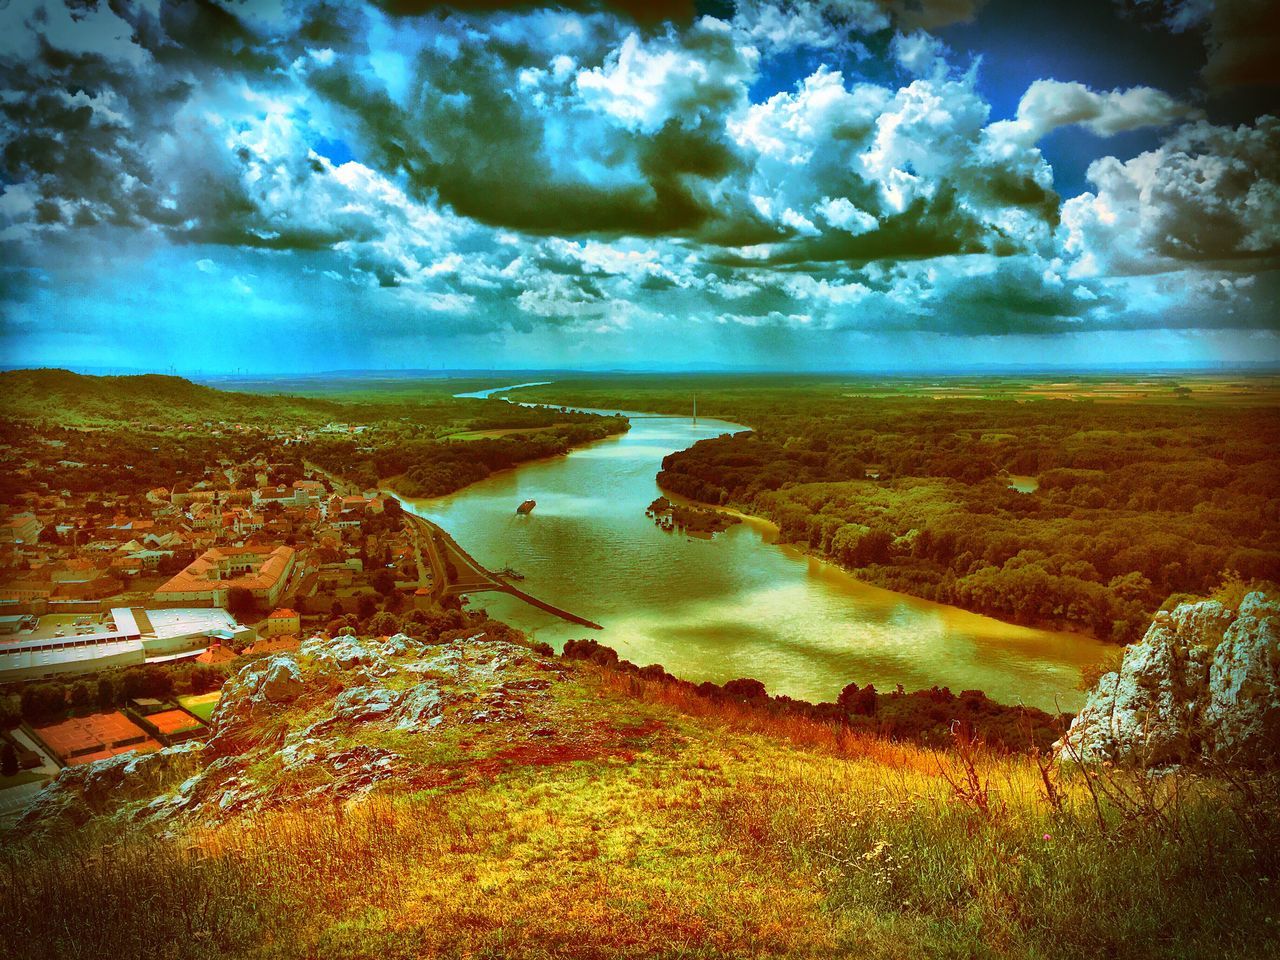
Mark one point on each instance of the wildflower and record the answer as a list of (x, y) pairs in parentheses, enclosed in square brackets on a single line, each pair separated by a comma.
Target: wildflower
[(1047, 837)]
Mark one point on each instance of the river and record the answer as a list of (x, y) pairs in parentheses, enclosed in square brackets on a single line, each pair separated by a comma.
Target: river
[(736, 605)]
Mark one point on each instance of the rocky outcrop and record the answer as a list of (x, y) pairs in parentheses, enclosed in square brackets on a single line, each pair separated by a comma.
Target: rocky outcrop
[(81, 792), (1203, 684), (325, 723)]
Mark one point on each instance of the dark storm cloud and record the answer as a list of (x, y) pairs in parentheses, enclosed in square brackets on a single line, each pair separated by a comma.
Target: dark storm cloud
[(1242, 37)]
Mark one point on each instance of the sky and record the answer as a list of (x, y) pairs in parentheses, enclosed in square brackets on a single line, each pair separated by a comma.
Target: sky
[(293, 186)]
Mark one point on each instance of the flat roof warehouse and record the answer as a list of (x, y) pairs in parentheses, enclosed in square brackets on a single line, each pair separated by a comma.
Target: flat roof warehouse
[(139, 635)]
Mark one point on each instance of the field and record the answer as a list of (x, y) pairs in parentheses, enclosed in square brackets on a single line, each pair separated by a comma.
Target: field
[(501, 432), (682, 827), (18, 779), (201, 704)]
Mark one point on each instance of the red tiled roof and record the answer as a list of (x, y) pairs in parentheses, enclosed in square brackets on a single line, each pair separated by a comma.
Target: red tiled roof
[(195, 578), (217, 654)]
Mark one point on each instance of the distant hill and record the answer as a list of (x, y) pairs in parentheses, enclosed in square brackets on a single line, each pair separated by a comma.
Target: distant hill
[(73, 398)]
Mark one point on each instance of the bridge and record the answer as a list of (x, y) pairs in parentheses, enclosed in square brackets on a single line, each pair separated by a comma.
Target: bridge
[(455, 572)]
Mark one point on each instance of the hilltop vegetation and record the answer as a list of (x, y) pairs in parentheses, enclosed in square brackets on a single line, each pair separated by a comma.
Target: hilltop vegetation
[(1136, 499), (483, 799), (68, 398), (126, 435)]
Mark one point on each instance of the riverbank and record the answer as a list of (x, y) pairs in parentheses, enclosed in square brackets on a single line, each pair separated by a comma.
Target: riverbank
[(736, 605), (770, 530), (912, 490)]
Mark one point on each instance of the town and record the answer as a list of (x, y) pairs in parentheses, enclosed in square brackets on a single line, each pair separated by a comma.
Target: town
[(122, 608)]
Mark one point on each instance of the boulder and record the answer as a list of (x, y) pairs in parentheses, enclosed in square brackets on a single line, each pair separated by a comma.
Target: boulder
[(85, 790), (421, 708), (1202, 684), (345, 654), (1243, 711), (258, 689), (364, 703)]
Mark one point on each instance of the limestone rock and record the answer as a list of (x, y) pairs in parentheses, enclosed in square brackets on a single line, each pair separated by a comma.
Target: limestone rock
[(1244, 684), (421, 708), (79, 792), (291, 727), (346, 654), (1203, 683)]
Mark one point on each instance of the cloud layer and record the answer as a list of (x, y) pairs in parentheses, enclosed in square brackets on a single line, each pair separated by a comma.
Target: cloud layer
[(511, 170)]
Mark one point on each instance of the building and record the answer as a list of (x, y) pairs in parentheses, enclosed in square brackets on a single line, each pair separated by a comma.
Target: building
[(211, 576), (303, 494), (21, 528), (285, 643), (281, 623), (217, 653), (135, 636)]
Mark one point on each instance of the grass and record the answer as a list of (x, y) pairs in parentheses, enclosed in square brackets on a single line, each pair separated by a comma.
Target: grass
[(201, 704), (502, 432), (704, 830)]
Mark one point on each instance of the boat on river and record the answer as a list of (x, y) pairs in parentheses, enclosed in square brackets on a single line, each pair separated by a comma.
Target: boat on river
[(526, 507)]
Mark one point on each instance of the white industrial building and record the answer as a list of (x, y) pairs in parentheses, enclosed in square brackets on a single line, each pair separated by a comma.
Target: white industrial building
[(136, 636)]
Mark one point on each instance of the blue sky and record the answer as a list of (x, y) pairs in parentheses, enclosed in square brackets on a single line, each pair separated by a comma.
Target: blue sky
[(283, 186)]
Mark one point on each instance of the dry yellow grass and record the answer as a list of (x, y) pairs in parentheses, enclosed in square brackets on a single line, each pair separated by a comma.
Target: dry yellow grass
[(728, 833)]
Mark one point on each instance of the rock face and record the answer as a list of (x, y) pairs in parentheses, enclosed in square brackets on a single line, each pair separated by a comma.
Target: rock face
[(1203, 684), (325, 724), (81, 792)]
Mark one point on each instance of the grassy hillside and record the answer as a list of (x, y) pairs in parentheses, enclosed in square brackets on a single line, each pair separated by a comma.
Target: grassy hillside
[(72, 398), (615, 816)]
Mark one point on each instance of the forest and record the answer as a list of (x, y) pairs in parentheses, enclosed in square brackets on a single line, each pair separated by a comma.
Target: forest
[(431, 468), (1133, 501)]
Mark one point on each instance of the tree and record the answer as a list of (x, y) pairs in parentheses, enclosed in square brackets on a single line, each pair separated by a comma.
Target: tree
[(43, 701), (240, 603), (81, 695), (8, 760), (106, 693), (366, 606), (384, 582), (384, 624)]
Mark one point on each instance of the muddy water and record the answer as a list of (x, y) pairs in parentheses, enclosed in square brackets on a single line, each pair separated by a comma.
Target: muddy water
[(731, 606)]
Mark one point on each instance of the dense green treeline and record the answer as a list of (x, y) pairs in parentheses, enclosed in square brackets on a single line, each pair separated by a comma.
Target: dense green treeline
[(430, 468), (1135, 500)]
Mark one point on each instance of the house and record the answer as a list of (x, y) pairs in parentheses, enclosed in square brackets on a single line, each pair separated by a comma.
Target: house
[(217, 653), (209, 578), (21, 528), (280, 622), (281, 644)]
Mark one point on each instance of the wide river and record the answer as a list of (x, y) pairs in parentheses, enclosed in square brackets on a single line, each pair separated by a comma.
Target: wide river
[(736, 605)]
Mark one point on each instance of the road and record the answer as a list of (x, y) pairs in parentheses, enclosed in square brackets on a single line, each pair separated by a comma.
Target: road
[(469, 576)]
